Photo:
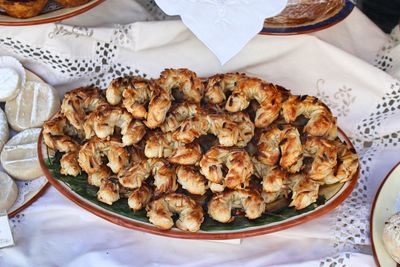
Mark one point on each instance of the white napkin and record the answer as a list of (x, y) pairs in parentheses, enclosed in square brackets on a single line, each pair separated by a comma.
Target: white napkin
[(224, 26)]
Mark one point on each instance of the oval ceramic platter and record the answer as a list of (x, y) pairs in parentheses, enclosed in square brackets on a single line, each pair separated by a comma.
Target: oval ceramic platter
[(386, 203), (51, 13), (307, 16), (28, 191), (278, 218)]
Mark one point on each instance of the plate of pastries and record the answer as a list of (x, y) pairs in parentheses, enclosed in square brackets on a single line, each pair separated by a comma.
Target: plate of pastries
[(31, 12), (228, 156), (301, 16)]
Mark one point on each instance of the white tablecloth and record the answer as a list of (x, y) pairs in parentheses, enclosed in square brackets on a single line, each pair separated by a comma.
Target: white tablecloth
[(335, 64)]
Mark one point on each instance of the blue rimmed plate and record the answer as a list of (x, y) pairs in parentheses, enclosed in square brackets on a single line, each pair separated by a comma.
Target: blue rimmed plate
[(51, 13), (304, 18)]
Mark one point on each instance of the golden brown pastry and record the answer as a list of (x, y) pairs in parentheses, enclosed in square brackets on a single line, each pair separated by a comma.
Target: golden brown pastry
[(219, 125), (245, 126), (163, 173), (219, 85), (321, 121), (57, 134), (324, 155), (274, 180), (304, 189), (231, 129), (221, 204), (23, 8), (191, 180), (190, 213), (105, 119), (78, 103), (162, 145), (140, 197), (178, 114), (236, 160), (91, 157), (347, 165), (268, 96), (109, 191), (71, 3), (185, 82), (134, 92), (143, 98), (281, 145), (69, 164), (273, 177)]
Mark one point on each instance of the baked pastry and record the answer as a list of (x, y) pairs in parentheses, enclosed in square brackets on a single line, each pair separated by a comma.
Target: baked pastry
[(163, 174), (71, 3), (80, 102), (221, 204), (302, 12), (23, 8), (160, 212), (58, 135)]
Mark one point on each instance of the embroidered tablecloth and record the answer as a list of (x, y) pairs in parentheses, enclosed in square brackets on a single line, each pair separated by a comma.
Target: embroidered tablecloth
[(344, 66)]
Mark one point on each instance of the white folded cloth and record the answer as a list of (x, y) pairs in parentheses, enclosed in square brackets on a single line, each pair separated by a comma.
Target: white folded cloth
[(224, 26)]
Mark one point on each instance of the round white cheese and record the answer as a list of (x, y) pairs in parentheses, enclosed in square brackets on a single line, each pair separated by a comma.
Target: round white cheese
[(4, 131), (35, 103), (8, 191), (9, 84), (19, 156), (391, 236), (13, 63)]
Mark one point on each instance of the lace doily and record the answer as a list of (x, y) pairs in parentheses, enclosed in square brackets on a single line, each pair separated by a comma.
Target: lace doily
[(388, 59), (351, 231)]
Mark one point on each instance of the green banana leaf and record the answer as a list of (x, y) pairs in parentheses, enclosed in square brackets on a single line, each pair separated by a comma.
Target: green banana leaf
[(80, 186)]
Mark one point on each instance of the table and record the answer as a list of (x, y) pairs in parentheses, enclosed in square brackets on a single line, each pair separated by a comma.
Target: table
[(334, 64)]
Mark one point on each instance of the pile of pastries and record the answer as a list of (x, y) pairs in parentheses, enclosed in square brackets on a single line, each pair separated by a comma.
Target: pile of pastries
[(30, 8), (183, 145), (301, 12)]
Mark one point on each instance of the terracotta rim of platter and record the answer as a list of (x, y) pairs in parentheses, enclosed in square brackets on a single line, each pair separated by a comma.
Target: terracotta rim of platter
[(311, 27), (176, 233), (68, 14), (373, 211)]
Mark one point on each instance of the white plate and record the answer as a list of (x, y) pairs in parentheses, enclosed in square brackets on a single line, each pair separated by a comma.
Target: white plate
[(383, 207)]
